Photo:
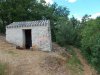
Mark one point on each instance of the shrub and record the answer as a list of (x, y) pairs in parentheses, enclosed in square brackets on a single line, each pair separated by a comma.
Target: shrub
[(91, 42), (65, 33)]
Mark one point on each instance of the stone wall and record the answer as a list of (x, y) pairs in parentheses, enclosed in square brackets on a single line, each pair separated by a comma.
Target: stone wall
[(15, 36), (41, 38)]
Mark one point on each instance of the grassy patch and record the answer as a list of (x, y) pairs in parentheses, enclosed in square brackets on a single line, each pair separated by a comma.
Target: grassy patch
[(74, 63), (3, 69)]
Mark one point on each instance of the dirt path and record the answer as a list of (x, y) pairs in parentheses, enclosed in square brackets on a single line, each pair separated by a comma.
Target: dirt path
[(87, 69)]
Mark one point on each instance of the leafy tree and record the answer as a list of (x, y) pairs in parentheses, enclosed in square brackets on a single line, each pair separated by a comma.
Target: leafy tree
[(85, 18), (65, 33), (29, 10), (77, 31), (74, 22)]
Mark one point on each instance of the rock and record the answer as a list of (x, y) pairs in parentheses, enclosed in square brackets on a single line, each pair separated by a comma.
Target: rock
[(18, 47)]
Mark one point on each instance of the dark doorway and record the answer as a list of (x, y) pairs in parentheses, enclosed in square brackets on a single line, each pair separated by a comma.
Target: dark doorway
[(28, 39)]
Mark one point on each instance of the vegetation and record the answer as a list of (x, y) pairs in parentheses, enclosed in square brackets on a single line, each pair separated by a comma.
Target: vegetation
[(91, 42), (29, 10), (74, 63), (3, 68), (65, 31)]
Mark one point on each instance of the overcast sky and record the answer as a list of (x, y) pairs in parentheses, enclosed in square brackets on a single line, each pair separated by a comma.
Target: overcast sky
[(79, 8)]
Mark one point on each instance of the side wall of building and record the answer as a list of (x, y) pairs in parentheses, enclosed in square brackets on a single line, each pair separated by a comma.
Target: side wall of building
[(14, 36), (41, 38)]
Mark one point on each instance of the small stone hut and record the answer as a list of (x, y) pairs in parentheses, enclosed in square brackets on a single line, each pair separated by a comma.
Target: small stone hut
[(30, 34)]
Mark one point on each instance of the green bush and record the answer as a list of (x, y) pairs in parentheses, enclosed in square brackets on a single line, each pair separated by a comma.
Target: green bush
[(91, 42), (65, 33), (2, 28)]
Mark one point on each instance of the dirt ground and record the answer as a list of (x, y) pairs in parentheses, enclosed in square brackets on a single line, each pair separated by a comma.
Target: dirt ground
[(88, 70), (26, 62)]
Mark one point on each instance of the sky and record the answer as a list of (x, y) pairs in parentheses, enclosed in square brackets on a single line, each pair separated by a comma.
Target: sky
[(78, 8)]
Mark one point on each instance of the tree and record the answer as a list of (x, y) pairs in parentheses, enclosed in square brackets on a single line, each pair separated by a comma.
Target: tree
[(65, 33), (74, 22), (29, 10), (85, 18)]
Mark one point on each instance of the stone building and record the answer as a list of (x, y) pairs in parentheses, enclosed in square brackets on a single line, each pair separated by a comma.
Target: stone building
[(35, 34)]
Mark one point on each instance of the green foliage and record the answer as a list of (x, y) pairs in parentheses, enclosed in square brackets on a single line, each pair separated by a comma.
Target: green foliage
[(64, 30), (77, 31), (67, 31), (91, 42), (29, 10), (1, 28)]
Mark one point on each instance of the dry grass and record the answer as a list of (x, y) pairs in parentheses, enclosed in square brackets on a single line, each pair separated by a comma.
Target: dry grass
[(24, 62), (54, 65)]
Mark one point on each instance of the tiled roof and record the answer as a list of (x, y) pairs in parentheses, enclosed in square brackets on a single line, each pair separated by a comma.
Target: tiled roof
[(29, 24)]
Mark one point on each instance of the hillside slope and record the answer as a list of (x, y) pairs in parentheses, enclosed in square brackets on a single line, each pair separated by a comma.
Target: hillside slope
[(88, 70), (26, 62)]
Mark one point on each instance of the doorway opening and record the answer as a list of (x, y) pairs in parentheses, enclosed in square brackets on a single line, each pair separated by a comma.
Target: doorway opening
[(28, 38)]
